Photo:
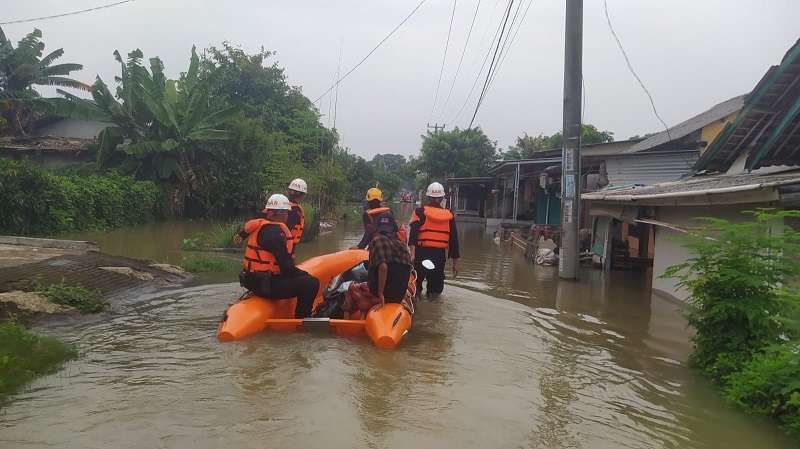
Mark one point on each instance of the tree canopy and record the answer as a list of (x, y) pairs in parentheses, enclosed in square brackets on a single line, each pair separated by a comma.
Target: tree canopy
[(459, 153), (21, 68), (526, 146)]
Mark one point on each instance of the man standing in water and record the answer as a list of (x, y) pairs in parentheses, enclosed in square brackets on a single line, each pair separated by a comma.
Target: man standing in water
[(374, 213), (268, 268), (433, 236)]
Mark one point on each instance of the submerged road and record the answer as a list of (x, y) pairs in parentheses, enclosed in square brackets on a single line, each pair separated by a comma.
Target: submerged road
[(508, 358)]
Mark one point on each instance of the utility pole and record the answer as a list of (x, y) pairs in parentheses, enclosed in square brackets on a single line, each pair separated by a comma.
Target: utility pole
[(436, 127), (571, 147)]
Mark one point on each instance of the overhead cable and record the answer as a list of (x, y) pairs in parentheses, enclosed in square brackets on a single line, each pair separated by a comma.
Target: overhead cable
[(491, 64), (339, 81), (461, 60), (480, 71), (444, 57), (55, 16), (633, 72), (506, 49)]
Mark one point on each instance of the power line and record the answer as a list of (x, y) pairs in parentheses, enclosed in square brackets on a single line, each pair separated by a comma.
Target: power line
[(633, 72), (110, 5), (338, 72), (461, 60), (336, 84), (505, 51), (444, 58), (491, 64), (480, 71)]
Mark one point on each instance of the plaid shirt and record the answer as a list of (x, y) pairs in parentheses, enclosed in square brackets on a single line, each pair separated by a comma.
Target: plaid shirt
[(387, 249)]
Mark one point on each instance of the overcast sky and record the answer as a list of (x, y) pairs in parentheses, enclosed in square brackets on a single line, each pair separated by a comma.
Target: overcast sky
[(691, 54)]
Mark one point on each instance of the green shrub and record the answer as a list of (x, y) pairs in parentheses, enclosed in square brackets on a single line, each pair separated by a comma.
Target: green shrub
[(736, 277), (222, 236), (24, 356), (769, 384), (744, 307), (311, 228), (208, 264), (37, 202), (83, 299)]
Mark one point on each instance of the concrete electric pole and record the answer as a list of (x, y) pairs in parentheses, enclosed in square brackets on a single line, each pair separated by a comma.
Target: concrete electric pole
[(571, 147)]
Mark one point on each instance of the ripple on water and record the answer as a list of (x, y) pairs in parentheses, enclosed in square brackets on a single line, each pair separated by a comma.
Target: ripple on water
[(476, 371)]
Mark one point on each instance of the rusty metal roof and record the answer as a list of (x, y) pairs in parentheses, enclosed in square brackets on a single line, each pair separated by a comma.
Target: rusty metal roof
[(768, 128), (44, 144)]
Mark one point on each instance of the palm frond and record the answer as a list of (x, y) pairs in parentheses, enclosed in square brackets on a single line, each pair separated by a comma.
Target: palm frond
[(191, 77), (73, 107), (219, 118), (209, 135), (47, 60), (31, 44), (63, 82), (59, 69), (107, 142)]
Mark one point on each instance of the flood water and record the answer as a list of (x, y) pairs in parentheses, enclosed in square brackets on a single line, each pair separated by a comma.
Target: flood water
[(508, 358)]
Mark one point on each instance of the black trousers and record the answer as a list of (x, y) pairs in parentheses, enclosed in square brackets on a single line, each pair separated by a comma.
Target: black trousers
[(304, 287), (435, 277)]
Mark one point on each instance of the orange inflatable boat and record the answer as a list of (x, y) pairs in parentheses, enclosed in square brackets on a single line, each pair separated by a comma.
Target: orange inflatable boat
[(385, 326)]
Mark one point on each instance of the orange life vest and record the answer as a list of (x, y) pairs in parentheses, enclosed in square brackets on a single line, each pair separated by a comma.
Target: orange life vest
[(401, 231), (258, 259), (434, 232), (297, 229)]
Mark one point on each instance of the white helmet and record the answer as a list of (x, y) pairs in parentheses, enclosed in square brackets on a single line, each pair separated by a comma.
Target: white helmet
[(278, 201), (435, 190), (298, 185)]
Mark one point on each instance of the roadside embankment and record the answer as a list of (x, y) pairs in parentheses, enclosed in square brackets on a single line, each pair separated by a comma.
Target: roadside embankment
[(42, 278)]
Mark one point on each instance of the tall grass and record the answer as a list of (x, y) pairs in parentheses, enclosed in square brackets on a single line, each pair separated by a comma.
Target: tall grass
[(24, 356)]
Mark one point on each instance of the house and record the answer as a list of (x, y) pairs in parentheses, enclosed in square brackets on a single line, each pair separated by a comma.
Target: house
[(56, 142), (49, 152), (527, 191), (748, 158)]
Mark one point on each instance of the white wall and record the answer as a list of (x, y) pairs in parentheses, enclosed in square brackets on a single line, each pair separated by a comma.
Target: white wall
[(669, 251), (74, 129)]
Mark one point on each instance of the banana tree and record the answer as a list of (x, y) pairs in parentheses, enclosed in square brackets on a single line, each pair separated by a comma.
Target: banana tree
[(163, 127), (23, 67)]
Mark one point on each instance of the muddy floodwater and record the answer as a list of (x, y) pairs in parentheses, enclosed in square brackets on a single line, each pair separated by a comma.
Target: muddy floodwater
[(508, 358)]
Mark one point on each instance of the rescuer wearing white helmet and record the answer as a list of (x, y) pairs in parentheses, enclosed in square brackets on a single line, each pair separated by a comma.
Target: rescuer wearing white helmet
[(297, 219), (434, 237), (268, 268)]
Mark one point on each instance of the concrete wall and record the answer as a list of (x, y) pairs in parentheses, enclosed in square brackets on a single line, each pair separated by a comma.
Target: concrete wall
[(71, 128), (712, 130), (669, 251)]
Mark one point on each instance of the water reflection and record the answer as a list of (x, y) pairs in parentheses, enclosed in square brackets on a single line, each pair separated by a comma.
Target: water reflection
[(509, 357)]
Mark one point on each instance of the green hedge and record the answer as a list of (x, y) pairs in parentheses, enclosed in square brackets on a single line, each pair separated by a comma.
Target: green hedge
[(769, 384), (37, 202)]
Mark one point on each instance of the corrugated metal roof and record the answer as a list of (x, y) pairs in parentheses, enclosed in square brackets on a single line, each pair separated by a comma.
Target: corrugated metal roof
[(695, 185), (649, 168), (768, 129), (687, 127)]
